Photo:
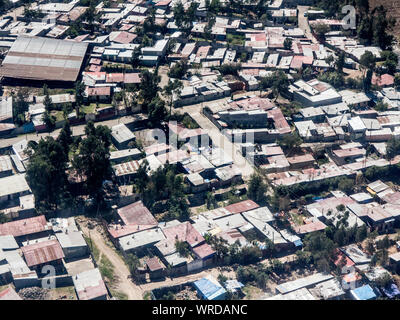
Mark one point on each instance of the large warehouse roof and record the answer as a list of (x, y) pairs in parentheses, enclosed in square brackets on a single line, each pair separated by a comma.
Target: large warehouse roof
[(36, 58)]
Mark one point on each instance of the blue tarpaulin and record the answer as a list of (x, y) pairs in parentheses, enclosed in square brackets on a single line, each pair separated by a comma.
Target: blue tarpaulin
[(298, 243), (391, 291)]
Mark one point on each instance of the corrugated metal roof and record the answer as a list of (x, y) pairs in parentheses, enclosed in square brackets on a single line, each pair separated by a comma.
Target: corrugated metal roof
[(42, 252), (44, 59), (24, 226)]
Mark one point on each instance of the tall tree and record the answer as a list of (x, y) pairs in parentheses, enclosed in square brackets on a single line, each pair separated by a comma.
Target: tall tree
[(79, 96), (93, 159), (148, 86), (65, 137), (46, 175), (20, 106), (257, 188), (173, 87)]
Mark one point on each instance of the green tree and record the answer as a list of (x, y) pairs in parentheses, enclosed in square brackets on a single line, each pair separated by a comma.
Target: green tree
[(278, 82), (179, 69), (79, 96), (320, 30), (134, 264), (93, 159), (46, 175), (362, 233), (397, 80), (49, 120), (322, 250), (287, 44), (182, 247), (20, 106), (173, 87), (148, 87), (47, 102), (179, 13), (65, 137), (91, 16), (257, 188), (346, 185), (135, 61), (382, 27), (290, 141), (156, 110), (340, 63)]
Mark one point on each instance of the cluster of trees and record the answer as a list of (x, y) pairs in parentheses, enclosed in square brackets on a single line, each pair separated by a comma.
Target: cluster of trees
[(230, 68), (392, 148), (4, 5), (46, 171), (179, 69), (374, 172), (163, 184), (184, 18), (235, 253), (278, 82), (259, 274), (315, 188), (374, 25), (390, 61), (290, 142)]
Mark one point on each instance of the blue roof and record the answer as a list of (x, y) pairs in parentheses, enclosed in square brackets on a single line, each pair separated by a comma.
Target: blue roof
[(364, 293), (209, 290)]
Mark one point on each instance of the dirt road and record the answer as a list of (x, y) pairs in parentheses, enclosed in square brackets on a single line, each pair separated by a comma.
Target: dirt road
[(124, 284), (76, 131), (303, 23), (218, 138), (187, 278)]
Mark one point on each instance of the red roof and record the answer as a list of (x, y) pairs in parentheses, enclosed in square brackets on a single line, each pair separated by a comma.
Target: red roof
[(9, 294), (163, 3), (153, 264), (384, 80), (24, 227), (137, 214), (301, 159), (42, 252), (94, 68), (310, 227), (204, 250), (184, 232), (132, 78), (99, 91), (280, 122), (93, 292), (297, 62), (242, 206), (115, 77), (340, 256), (125, 37), (202, 52), (95, 61), (136, 217)]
